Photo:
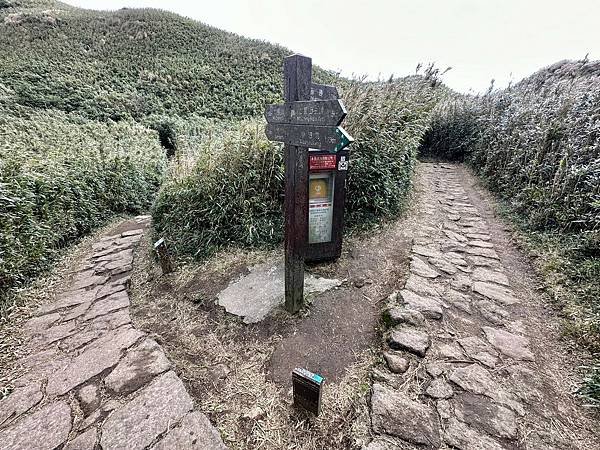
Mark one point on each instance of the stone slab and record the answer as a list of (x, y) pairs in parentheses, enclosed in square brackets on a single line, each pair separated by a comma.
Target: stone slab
[(96, 358), (138, 423), (394, 413), (427, 306), (21, 400), (411, 340), (509, 344), (494, 292), (138, 367), (194, 432), (255, 295), (46, 429)]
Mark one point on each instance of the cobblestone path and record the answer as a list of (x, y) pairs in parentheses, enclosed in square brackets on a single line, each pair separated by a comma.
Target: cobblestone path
[(472, 357), (92, 380)]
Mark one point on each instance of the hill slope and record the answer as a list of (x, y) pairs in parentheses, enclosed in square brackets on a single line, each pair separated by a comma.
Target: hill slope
[(132, 63)]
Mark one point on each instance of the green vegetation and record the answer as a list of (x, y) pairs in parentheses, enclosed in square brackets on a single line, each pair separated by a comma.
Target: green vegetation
[(60, 177), (226, 184), (537, 145)]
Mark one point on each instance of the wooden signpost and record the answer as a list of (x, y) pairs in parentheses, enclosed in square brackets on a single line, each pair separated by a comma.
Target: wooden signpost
[(310, 117)]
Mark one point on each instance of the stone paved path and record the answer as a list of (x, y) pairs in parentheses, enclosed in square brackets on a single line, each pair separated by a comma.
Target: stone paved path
[(472, 360), (92, 380)]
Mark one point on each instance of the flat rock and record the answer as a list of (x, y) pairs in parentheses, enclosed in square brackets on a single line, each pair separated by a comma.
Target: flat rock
[(21, 400), (478, 380), (409, 339), (490, 276), (429, 307), (481, 244), (426, 251), (53, 334), (461, 282), (509, 344), (422, 286), (453, 235), (479, 236), (479, 350), (99, 356), (111, 321), (458, 300), (148, 415), (494, 292), (396, 363), (393, 413), (255, 295), (37, 325), (194, 432), (485, 252), (396, 316), (443, 265), (110, 289), (47, 428), (438, 388), (113, 302), (85, 441), (461, 436), (421, 268), (137, 368), (482, 413)]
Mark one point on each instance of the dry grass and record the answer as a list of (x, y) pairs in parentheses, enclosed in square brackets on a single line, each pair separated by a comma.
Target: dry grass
[(225, 364)]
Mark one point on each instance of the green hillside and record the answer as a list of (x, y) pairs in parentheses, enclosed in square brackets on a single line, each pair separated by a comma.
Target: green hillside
[(133, 63)]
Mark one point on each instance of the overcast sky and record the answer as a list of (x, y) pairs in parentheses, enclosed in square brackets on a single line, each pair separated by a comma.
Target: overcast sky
[(480, 39)]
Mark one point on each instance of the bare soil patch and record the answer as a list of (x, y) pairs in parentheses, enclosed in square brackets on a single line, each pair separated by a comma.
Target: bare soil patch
[(240, 375)]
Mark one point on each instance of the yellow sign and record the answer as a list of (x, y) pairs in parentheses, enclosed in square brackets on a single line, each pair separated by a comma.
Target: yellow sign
[(318, 189)]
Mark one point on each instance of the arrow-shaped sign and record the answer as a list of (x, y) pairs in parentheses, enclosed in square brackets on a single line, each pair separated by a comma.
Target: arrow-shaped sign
[(323, 92), (328, 138), (314, 112)]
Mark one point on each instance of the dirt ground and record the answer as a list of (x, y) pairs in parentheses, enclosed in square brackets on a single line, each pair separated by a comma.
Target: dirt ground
[(240, 375)]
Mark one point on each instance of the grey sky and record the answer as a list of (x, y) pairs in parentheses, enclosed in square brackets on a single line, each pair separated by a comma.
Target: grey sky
[(479, 39)]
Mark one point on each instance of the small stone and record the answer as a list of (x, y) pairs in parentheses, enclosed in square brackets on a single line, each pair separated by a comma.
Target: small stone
[(482, 413), (421, 268), (509, 344), (443, 265), (450, 351), (255, 414), (463, 437), (411, 340), (494, 292), (89, 398), (194, 432), (487, 275), (359, 283), (396, 363), (481, 244), (436, 368), (429, 307), (444, 409), (438, 388), (46, 429), (492, 312), (395, 316), (21, 400), (482, 261), (148, 415), (85, 441), (137, 368), (454, 217), (393, 413)]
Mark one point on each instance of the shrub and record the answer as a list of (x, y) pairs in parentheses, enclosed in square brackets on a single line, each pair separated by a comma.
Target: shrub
[(225, 185), (60, 177)]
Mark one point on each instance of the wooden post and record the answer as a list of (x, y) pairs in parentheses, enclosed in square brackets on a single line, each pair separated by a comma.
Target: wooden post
[(164, 257), (297, 72)]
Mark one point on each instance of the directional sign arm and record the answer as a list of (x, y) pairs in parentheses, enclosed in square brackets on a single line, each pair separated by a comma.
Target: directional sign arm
[(323, 92), (315, 112), (328, 138)]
